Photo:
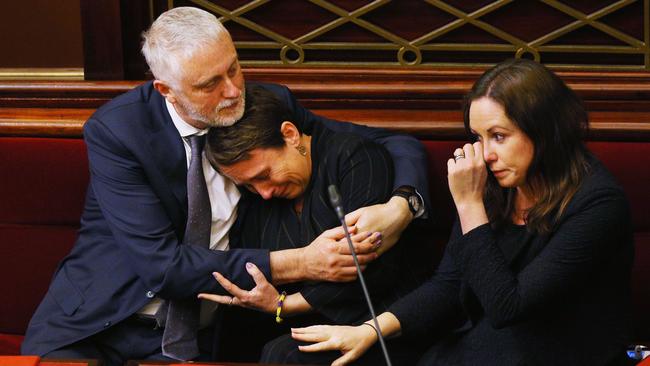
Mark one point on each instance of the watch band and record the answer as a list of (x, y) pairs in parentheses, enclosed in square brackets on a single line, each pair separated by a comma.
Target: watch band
[(407, 196)]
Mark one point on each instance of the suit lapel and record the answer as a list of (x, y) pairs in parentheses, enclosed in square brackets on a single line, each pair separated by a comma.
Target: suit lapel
[(168, 153)]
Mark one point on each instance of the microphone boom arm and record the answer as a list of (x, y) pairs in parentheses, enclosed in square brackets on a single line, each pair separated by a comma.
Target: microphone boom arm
[(335, 200)]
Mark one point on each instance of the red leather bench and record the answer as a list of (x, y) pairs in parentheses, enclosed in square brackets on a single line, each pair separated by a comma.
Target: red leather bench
[(44, 183)]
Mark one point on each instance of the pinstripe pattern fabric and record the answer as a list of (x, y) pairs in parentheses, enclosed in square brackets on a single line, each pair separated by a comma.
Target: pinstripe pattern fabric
[(363, 172)]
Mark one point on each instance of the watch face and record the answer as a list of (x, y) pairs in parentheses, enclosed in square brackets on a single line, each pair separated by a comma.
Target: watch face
[(414, 201)]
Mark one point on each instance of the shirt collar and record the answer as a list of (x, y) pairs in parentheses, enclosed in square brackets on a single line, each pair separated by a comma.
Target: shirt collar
[(184, 128)]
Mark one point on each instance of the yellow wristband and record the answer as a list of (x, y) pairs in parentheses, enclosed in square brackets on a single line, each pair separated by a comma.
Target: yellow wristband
[(283, 296)]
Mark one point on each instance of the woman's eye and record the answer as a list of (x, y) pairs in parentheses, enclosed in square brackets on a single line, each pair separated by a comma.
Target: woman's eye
[(498, 137)]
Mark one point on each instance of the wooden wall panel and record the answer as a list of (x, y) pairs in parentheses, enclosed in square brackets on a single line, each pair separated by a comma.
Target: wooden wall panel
[(40, 34), (426, 104), (101, 25)]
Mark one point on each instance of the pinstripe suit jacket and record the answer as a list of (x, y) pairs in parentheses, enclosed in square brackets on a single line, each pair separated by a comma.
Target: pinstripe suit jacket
[(363, 171)]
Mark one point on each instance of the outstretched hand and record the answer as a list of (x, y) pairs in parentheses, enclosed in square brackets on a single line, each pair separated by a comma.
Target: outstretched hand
[(353, 342), (262, 297)]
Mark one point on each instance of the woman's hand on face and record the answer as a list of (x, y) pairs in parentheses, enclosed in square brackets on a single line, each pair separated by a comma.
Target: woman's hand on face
[(353, 342), (263, 297), (467, 175)]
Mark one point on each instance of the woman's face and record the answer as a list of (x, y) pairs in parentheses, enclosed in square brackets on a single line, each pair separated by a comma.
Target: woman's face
[(272, 172), (507, 150)]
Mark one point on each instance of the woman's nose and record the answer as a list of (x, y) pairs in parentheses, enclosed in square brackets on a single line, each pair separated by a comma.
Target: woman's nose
[(488, 154), (265, 191)]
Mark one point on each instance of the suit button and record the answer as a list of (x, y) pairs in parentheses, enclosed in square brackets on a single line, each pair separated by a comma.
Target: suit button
[(151, 294), (107, 324)]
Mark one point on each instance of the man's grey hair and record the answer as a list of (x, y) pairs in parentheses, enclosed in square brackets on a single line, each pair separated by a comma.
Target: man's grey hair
[(176, 36)]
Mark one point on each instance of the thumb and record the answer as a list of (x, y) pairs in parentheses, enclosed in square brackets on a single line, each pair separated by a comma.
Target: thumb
[(255, 272), (353, 217), (344, 360)]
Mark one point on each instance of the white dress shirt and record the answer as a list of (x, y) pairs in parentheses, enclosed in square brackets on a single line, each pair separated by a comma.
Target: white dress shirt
[(224, 197)]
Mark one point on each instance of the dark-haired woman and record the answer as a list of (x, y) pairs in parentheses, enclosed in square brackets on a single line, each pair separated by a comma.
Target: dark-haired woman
[(286, 206), (537, 268)]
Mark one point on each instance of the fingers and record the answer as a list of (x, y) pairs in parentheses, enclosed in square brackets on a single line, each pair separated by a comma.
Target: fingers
[(459, 157), (478, 151), (257, 275), (315, 333), (374, 238), (346, 274), (471, 152), (363, 259), (364, 237), (451, 164), (459, 152), (221, 299), (229, 286), (338, 233), (317, 347), (366, 253), (347, 270), (468, 150), (326, 339), (364, 247), (358, 237)]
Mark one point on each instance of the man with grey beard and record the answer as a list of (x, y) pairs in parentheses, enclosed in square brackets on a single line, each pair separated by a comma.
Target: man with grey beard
[(132, 256)]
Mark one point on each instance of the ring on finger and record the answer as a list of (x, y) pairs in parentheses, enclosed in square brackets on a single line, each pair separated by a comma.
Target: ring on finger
[(459, 156), (231, 300)]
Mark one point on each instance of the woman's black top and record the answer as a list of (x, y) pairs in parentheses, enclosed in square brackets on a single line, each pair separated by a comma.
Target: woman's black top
[(509, 297)]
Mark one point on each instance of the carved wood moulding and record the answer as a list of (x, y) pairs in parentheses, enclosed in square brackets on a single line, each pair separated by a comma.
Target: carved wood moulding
[(426, 103)]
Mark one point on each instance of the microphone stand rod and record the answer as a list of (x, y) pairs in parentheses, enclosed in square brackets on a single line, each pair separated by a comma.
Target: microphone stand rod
[(365, 291)]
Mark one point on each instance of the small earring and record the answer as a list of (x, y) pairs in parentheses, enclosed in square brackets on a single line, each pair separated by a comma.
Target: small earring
[(301, 150)]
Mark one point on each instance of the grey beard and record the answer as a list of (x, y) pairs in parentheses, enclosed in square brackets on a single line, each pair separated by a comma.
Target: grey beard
[(217, 120)]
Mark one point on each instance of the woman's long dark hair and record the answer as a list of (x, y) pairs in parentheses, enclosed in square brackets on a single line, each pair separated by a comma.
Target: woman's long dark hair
[(540, 104)]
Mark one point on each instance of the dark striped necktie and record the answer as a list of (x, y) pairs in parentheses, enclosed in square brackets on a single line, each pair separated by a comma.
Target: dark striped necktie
[(182, 321)]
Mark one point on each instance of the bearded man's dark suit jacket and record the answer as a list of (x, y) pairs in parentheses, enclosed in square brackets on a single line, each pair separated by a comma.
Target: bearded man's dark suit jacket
[(129, 245)]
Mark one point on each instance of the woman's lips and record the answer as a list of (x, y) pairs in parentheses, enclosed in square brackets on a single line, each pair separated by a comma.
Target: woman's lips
[(499, 173)]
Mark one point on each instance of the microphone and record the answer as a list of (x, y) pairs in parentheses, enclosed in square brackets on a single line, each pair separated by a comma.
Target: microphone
[(335, 200)]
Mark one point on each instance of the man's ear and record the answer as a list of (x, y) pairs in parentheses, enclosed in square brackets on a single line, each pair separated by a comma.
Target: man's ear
[(290, 133), (164, 89)]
